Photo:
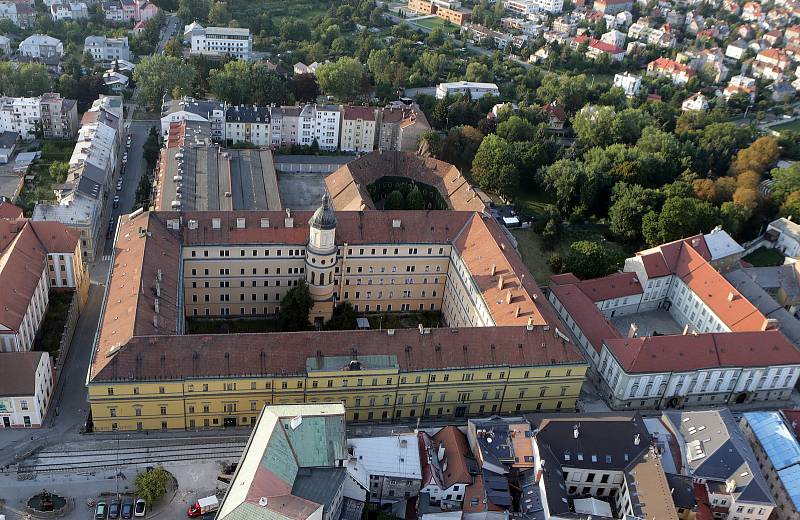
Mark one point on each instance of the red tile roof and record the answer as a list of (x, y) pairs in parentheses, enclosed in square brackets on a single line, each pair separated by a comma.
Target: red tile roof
[(456, 451), (793, 421), (694, 352), (590, 320), (616, 285), (18, 373), (9, 211), (359, 112)]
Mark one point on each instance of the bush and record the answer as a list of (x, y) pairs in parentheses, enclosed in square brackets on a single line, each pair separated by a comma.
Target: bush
[(556, 262)]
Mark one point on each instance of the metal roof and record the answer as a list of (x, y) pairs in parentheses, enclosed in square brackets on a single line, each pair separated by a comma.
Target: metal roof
[(393, 455), (781, 448)]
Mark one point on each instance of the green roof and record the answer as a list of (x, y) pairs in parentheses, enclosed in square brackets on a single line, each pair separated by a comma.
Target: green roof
[(318, 441), (278, 457)]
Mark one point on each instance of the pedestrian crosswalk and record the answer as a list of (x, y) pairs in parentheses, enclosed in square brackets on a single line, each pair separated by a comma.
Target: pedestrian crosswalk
[(106, 258)]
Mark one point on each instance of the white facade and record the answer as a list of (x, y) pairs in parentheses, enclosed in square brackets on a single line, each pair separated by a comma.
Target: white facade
[(41, 46), (528, 7), (69, 11), (107, 49), (22, 339), (696, 102), (28, 411), (629, 83), (471, 88), (219, 41), (788, 233), (21, 115)]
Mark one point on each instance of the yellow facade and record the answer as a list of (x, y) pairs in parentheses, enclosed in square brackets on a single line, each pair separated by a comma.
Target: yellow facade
[(369, 396)]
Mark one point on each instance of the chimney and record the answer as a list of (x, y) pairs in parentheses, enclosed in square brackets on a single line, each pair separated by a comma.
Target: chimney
[(686, 329), (530, 322), (494, 269), (516, 312), (500, 283), (576, 431), (636, 440), (421, 329), (509, 296), (633, 330), (731, 296)]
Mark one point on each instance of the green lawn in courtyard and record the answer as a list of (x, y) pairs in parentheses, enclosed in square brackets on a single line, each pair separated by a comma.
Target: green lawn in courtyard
[(763, 257)]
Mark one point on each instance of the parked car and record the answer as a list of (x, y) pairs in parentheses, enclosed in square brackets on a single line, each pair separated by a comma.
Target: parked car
[(113, 509), (202, 506), (119, 185), (116, 201), (127, 509), (139, 508), (100, 511)]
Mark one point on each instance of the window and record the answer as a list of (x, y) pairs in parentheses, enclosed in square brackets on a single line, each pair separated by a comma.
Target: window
[(110, 391)]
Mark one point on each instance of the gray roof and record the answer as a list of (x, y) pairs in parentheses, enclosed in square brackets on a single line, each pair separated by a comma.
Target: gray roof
[(324, 217), (247, 114), (8, 139), (319, 485), (682, 490), (201, 107), (787, 227), (743, 281), (715, 449)]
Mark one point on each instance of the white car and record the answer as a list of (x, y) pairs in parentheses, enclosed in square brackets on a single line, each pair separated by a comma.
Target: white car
[(119, 186), (139, 508)]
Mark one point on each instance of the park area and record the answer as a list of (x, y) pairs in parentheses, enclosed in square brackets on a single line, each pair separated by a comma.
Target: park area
[(46, 178), (433, 22), (763, 257), (788, 126)]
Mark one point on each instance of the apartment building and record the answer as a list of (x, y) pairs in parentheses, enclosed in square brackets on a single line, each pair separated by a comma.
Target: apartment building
[(319, 123), (473, 89), (710, 447), (359, 128), (41, 46), (449, 10), (106, 50), (388, 467), (129, 10), (50, 114), (92, 166), (35, 257), (242, 263), (528, 7), (59, 116), (219, 41), (190, 109), (612, 6), (670, 331), (60, 11), (248, 124), (773, 437), (26, 385), (401, 127), (446, 467), (586, 464)]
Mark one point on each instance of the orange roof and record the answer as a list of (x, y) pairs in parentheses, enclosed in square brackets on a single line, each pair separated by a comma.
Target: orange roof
[(616, 285), (347, 186), (456, 451), (9, 211), (24, 246), (145, 248)]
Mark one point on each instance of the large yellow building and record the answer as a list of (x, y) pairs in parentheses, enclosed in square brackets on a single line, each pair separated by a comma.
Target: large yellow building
[(505, 350)]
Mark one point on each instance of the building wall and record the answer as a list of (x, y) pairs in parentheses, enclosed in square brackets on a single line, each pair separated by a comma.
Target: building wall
[(785, 509), (371, 396), (391, 489), (29, 411), (257, 133), (358, 135)]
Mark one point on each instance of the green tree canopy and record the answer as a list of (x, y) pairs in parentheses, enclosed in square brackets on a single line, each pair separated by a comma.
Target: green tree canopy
[(589, 259), (679, 218), (415, 200), (342, 78), (151, 484), (630, 203), (343, 318), (515, 129), (295, 306), (495, 168), (157, 75), (784, 182), (395, 201)]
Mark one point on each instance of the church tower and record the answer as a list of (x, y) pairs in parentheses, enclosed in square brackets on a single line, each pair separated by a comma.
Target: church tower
[(321, 259)]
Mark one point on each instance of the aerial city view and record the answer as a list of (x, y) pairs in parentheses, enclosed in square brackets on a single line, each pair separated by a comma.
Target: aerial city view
[(400, 259)]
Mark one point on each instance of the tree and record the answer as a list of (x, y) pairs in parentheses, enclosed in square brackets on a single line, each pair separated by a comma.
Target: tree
[(515, 129), (151, 484), (267, 86), (791, 206), (304, 87), (342, 78), (734, 217), (588, 259), (716, 145), (343, 318), (157, 75), (569, 91), (460, 146), (381, 66), (58, 171), (592, 125), (680, 217), (68, 86), (231, 83), (494, 167), (219, 14), (173, 48), (27, 80), (394, 201), (784, 182), (477, 71), (631, 203), (295, 306), (415, 200), (758, 157), (191, 10)]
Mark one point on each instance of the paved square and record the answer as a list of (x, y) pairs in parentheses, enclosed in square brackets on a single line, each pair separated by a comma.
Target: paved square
[(301, 191)]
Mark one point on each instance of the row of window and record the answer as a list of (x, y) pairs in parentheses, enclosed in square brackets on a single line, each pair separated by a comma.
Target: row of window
[(253, 271), (226, 253)]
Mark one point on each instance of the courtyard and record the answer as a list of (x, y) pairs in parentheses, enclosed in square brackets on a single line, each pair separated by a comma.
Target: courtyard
[(650, 323), (301, 191)]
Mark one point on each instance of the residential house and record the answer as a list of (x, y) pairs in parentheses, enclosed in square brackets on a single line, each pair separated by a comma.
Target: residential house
[(106, 50), (359, 128), (482, 35), (556, 116), (61, 11), (736, 49), (612, 6), (21, 115), (8, 145), (247, 124), (696, 101), (5, 45), (401, 127), (664, 67), (752, 12), (448, 467), (40, 46), (629, 83), (614, 37), (740, 84), (59, 116), (190, 109), (20, 13), (472, 89)]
